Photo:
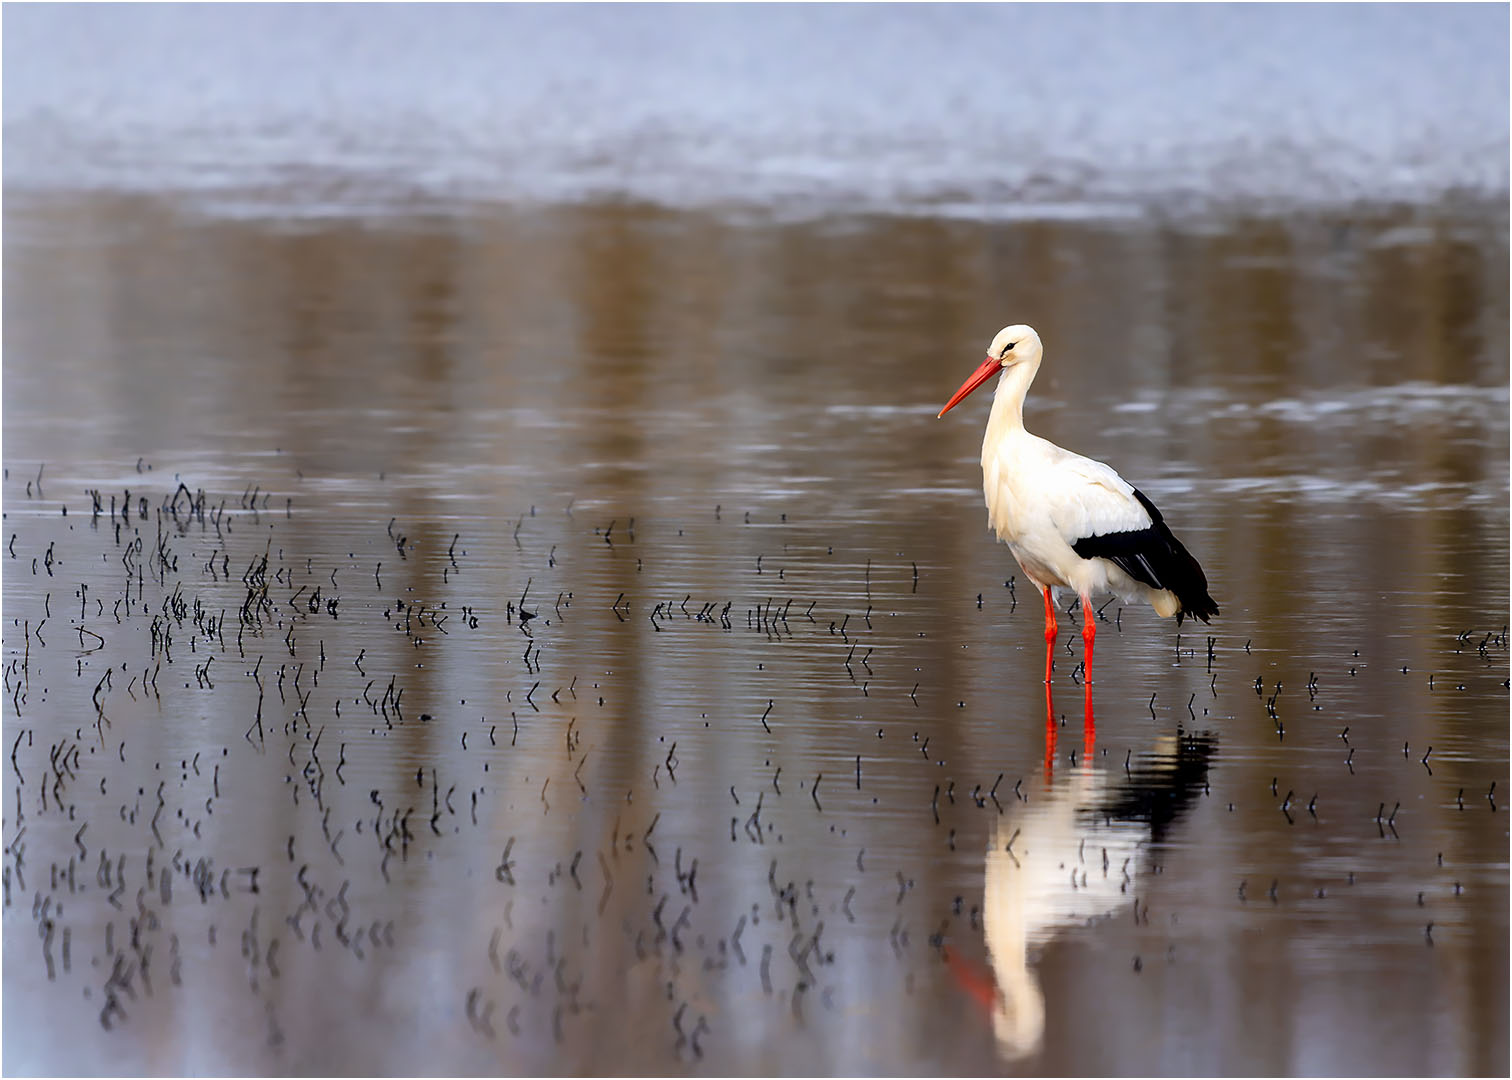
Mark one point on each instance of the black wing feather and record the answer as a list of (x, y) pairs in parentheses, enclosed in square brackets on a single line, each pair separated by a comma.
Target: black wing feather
[(1156, 558)]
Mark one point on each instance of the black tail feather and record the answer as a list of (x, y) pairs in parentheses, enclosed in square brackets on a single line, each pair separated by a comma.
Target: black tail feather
[(1156, 558)]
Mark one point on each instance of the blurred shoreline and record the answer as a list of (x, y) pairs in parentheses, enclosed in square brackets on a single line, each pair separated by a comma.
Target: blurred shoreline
[(336, 197), (986, 112)]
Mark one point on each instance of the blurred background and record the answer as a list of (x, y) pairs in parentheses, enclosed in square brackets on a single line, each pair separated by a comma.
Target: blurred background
[(653, 306), (985, 112)]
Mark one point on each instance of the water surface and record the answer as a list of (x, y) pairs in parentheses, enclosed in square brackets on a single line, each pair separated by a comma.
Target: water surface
[(470, 619), (772, 639)]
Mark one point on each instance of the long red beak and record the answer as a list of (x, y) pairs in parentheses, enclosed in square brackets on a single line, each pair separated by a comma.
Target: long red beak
[(990, 367)]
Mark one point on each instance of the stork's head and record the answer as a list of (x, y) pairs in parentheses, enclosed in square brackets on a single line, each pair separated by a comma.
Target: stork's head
[(1017, 344)]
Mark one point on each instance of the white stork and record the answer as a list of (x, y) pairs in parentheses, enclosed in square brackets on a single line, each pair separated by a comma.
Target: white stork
[(1072, 522)]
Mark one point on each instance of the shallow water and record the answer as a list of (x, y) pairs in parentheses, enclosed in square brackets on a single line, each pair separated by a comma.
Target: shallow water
[(304, 413), (772, 640)]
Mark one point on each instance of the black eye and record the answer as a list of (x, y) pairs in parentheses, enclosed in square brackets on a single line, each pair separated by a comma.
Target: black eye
[(1008, 348)]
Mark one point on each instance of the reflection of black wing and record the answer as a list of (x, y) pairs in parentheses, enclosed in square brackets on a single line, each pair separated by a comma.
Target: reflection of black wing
[(1158, 788)]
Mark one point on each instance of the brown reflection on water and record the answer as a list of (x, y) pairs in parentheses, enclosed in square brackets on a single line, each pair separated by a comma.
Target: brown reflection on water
[(807, 616)]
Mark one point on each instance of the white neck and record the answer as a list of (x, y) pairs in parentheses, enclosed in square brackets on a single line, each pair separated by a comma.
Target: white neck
[(1007, 414)]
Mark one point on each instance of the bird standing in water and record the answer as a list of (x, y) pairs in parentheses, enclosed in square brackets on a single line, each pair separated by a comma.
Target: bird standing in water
[(1072, 522)]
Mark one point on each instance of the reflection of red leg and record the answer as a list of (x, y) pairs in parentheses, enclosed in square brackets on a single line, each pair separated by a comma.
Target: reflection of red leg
[(1089, 634), (1089, 725), (1050, 631), (1050, 733)]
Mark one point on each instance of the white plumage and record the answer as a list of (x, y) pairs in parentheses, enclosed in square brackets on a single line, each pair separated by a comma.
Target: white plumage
[(1070, 521)]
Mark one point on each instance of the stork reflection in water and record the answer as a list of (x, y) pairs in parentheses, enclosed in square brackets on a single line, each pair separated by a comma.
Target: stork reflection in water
[(1070, 854)]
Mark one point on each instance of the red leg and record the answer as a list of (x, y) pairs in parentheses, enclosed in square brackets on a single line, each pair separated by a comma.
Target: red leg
[(1050, 632), (1089, 634)]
